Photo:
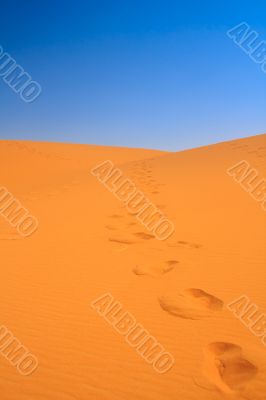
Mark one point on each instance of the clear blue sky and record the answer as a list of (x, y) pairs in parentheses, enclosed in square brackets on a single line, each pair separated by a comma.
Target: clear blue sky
[(154, 74)]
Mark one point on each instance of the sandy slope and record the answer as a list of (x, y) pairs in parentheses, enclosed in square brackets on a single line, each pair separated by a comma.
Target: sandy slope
[(87, 244)]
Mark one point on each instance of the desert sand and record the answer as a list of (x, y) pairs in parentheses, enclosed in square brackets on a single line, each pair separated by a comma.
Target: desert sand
[(87, 244)]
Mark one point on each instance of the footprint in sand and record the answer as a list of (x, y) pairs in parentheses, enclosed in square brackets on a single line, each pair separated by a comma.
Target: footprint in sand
[(226, 368), (124, 238), (110, 227), (143, 235), (182, 243), (155, 270), (121, 240), (191, 304), (161, 206), (10, 236), (131, 223)]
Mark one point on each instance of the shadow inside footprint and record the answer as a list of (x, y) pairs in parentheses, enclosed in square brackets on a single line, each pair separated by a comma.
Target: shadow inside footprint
[(226, 368), (171, 262), (155, 270), (143, 235), (182, 243), (121, 240), (110, 227), (191, 304), (10, 236), (187, 244)]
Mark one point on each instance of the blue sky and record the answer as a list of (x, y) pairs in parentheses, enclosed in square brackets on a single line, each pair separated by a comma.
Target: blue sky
[(152, 74)]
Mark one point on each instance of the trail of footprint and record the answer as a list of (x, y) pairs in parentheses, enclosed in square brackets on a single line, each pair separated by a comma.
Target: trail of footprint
[(226, 368), (191, 304), (155, 270)]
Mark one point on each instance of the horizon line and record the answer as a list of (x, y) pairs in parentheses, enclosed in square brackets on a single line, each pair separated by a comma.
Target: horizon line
[(133, 148)]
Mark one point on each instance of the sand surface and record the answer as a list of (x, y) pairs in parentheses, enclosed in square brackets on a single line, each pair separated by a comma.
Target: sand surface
[(87, 244)]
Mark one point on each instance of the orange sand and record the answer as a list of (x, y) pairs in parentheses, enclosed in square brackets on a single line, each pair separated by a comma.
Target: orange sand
[(78, 253)]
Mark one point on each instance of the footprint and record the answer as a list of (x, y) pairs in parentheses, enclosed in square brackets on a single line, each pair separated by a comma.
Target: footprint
[(191, 304), (145, 236), (155, 270), (171, 262), (131, 223), (188, 245), (219, 349), (161, 206), (10, 236), (110, 227), (226, 368), (121, 240), (116, 216)]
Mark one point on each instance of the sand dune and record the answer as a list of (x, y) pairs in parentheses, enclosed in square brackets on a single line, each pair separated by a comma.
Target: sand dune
[(88, 244)]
